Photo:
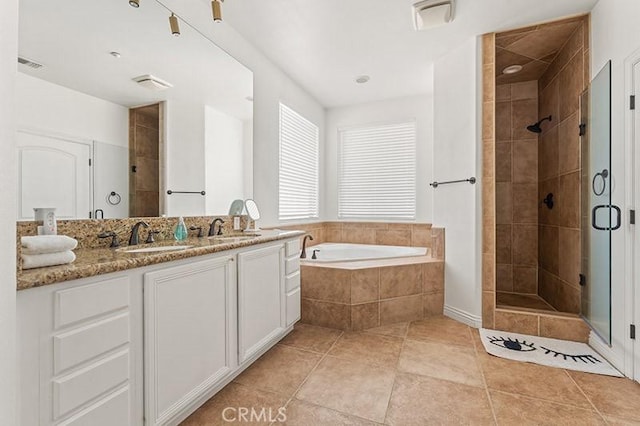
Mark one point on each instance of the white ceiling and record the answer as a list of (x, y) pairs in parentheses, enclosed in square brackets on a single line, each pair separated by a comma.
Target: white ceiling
[(324, 45), (73, 40)]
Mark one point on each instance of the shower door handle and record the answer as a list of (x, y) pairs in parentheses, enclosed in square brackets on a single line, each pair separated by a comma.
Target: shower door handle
[(606, 206)]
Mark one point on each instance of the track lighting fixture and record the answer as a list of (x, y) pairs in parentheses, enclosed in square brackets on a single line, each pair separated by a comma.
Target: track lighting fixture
[(134, 3), (175, 26), (216, 8)]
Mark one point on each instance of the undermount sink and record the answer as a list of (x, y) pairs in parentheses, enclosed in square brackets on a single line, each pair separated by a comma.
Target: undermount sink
[(227, 238), (155, 249)]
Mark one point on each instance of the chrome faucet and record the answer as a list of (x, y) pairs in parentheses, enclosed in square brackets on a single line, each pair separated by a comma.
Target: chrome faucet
[(303, 255), (212, 227), (134, 238)]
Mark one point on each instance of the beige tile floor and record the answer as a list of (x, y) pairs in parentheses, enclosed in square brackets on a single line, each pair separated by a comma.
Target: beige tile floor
[(430, 372)]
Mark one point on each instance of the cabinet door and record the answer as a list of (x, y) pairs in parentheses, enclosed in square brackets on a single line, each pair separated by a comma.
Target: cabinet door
[(190, 340), (260, 299)]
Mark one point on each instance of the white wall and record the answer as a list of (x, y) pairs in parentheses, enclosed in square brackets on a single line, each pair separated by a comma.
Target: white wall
[(615, 36), (224, 153), (455, 154), (270, 86), (8, 54), (54, 109), (418, 108)]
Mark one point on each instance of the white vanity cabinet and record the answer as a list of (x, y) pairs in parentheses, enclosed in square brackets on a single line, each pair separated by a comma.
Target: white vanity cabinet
[(78, 353), (149, 345), (260, 299), (190, 339)]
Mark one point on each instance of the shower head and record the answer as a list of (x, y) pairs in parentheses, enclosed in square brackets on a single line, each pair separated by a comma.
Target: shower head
[(535, 128)]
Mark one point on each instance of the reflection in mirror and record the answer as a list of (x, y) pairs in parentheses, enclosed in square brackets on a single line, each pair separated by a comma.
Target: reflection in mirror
[(254, 214), (236, 208), (87, 129)]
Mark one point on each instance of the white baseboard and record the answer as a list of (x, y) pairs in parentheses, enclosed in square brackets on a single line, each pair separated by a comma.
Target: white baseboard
[(606, 351), (471, 320)]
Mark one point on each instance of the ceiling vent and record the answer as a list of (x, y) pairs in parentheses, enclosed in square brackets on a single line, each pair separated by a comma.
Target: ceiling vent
[(29, 63), (432, 13), (152, 83)]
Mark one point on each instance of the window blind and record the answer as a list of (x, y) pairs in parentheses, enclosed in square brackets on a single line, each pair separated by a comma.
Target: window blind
[(298, 181), (377, 172)]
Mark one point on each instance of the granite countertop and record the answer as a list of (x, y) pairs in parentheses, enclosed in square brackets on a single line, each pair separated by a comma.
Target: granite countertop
[(97, 261)]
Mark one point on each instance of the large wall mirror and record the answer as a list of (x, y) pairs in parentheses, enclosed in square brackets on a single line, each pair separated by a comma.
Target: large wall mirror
[(94, 142)]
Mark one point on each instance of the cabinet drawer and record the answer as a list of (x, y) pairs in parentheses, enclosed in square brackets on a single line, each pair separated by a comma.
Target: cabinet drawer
[(74, 390), (82, 344), (80, 303), (293, 248), (112, 410), (292, 282), (292, 265), (293, 307)]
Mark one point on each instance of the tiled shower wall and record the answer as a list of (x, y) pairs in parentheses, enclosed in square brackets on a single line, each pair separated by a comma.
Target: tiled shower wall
[(516, 173), (559, 173)]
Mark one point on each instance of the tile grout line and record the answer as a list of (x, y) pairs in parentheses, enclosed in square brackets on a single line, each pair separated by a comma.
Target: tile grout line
[(395, 373), (293, 395), (484, 379), (586, 396)]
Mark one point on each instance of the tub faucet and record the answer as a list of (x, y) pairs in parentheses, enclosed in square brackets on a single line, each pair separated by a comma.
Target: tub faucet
[(212, 227), (303, 255), (133, 239)]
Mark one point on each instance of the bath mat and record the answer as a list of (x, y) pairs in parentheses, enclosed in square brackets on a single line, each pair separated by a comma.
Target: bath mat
[(546, 351)]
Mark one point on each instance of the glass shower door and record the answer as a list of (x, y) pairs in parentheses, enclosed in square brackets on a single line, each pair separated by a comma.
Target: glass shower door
[(599, 216)]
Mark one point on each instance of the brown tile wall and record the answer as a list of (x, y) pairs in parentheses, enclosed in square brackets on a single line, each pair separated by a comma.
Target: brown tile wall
[(563, 326), (516, 188), (144, 153), (366, 298), (559, 173)]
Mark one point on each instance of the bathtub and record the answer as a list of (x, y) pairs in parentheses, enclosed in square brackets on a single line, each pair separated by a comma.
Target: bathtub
[(340, 252)]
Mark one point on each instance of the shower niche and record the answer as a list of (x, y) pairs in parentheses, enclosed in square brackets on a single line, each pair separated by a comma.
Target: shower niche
[(541, 73)]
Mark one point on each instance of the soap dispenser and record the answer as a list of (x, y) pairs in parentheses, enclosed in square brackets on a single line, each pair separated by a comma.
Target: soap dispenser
[(180, 233)]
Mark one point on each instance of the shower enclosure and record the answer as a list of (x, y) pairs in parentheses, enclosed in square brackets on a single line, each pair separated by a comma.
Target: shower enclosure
[(549, 257)]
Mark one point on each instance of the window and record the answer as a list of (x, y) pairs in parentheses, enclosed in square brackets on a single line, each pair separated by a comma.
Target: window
[(377, 172), (298, 190)]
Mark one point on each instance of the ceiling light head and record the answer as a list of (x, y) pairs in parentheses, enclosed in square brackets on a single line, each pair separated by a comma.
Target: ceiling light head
[(432, 13), (512, 69), (216, 9), (362, 79), (115, 54), (134, 3), (174, 25)]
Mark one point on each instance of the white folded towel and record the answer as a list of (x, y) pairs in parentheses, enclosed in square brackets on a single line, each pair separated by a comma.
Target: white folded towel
[(30, 261), (43, 244)]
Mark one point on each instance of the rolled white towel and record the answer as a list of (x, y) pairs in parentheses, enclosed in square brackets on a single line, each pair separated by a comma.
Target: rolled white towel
[(30, 261), (43, 244)]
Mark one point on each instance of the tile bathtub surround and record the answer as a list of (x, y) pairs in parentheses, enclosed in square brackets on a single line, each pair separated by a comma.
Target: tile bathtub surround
[(381, 233), (358, 299), (433, 371)]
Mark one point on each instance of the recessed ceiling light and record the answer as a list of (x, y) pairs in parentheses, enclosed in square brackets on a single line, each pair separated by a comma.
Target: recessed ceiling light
[(115, 54), (134, 3), (362, 79), (249, 98), (512, 69)]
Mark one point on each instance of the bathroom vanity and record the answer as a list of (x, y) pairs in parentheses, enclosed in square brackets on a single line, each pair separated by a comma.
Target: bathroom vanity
[(150, 344)]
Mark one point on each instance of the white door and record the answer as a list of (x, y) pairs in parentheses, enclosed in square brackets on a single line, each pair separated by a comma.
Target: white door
[(190, 335), (260, 299), (53, 172)]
